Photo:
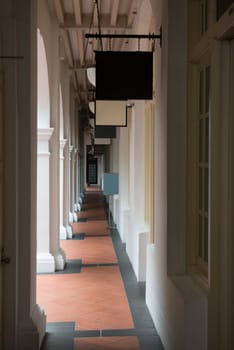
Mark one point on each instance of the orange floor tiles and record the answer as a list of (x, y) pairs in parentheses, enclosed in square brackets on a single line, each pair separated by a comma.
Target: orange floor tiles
[(92, 250), (92, 214), (93, 299), (87, 305), (91, 227), (107, 343)]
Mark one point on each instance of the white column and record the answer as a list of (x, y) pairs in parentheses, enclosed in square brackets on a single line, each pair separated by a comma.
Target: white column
[(56, 250), (45, 260), (71, 202), (66, 195), (76, 176), (63, 231), (73, 198)]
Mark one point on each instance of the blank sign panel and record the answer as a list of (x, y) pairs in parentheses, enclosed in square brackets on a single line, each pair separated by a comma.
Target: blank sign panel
[(112, 113)]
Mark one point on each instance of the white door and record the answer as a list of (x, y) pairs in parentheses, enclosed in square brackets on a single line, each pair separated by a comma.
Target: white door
[(1, 203)]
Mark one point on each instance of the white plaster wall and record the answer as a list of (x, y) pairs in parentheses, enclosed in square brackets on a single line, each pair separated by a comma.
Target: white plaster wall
[(43, 91), (114, 154), (123, 180), (137, 169), (114, 167), (100, 169), (49, 30), (19, 288), (137, 183), (177, 306), (130, 236), (65, 89), (131, 203)]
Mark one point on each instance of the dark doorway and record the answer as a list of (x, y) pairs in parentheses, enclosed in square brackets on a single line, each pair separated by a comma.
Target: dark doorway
[(91, 170)]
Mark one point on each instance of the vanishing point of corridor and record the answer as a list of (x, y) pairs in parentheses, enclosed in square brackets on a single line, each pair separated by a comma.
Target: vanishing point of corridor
[(96, 302)]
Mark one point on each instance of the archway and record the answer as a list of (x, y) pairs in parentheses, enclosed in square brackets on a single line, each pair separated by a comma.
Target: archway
[(45, 260), (63, 231)]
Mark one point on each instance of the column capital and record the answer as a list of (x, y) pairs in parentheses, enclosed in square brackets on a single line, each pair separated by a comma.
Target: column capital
[(44, 134), (75, 151), (43, 138), (62, 143)]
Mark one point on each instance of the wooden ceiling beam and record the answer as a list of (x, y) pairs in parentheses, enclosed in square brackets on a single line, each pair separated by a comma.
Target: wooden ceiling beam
[(67, 46), (120, 24), (59, 11), (132, 12), (95, 17), (77, 12), (114, 12), (80, 44)]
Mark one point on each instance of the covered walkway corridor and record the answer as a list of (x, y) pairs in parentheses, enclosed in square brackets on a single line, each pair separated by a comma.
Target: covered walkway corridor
[(168, 139), (96, 301)]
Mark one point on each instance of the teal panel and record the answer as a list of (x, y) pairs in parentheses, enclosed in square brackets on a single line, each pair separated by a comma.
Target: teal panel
[(110, 183)]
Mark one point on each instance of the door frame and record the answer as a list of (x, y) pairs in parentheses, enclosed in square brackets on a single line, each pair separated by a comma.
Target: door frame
[(92, 161), (1, 203)]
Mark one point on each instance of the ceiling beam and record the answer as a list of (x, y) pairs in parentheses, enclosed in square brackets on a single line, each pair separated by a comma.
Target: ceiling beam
[(77, 67), (120, 24), (77, 12), (80, 44), (95, 17), (74, 81), (114, 12), (132, 12), (59, 11), (67, 47), (95, 44), (124, 45)]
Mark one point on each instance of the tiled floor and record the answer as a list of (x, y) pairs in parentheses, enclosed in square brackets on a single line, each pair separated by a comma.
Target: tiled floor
[(91, 227), (91, 250), (96, 302), (92, 214)]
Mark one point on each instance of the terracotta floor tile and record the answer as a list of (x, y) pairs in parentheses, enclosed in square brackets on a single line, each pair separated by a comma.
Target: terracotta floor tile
[(96, 213), (93, 188), (107, 343), (92, 205), (92, 250), (94, 299), (94, 227)]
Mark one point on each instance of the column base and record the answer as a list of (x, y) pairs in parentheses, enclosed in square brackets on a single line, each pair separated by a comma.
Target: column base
[(31, 335), (142, 241), (59, 260), (45, 263), (39, 319), (62, 252), (62, 232), (69, 231), (70, 217), (74, 216)]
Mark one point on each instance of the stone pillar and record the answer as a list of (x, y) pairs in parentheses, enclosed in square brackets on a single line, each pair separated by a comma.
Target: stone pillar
[(71, 201), (66, 194), (75, 177), (63, 231), (74, 169), (56, 250), (45, 260)]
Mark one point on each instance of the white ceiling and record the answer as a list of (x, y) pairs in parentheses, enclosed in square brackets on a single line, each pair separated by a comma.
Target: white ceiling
[(78, 17)]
